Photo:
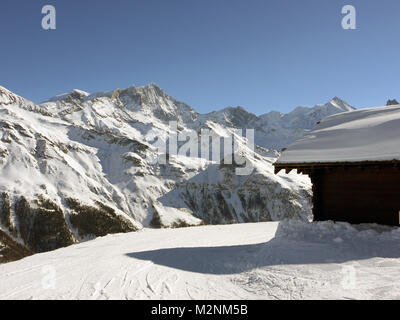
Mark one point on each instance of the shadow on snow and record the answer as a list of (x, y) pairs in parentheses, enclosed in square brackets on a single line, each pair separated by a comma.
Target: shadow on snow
[(278, 251)]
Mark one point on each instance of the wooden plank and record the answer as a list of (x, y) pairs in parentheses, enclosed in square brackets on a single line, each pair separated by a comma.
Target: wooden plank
[(359, 196)]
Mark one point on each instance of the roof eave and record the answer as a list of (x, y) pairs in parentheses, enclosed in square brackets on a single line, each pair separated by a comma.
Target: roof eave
[(306, 167)]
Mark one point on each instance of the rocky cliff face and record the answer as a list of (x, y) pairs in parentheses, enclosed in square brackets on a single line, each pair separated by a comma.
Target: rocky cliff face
[(82, 165)]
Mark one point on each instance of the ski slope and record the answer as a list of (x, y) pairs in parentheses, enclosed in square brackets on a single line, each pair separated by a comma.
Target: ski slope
[(270, 260)]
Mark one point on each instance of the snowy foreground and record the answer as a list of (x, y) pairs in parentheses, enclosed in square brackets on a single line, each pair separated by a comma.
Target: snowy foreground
[(287, 260)]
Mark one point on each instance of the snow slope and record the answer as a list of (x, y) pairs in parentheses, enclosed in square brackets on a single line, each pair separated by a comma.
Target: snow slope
[(364, 135), (271, 260)]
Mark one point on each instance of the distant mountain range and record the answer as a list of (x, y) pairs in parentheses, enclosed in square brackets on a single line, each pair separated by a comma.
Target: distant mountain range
[(277, 130), (78, 166)]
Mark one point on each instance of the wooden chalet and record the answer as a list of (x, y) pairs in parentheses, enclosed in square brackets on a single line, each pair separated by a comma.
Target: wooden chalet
[(353, 160)]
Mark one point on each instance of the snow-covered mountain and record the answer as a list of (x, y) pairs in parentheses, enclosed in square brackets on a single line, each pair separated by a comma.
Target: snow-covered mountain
[(277, 130), (82, 165)]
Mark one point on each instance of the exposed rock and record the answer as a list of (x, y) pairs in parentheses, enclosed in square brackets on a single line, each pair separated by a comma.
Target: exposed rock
[(156, 221), (42, 228), (97, 221), (42, 225), (5, 213), (11, 250)]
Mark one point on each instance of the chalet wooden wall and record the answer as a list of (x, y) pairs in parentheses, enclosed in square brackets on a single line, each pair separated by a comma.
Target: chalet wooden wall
[(357, 194)]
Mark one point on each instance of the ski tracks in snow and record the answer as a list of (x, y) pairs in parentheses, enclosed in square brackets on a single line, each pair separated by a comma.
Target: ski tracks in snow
[(205, 263)]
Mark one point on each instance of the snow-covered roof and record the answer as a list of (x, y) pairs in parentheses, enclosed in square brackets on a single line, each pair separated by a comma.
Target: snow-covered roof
[(363, 135)]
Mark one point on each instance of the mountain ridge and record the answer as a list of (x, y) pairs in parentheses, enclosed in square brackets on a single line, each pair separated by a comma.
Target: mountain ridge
[(335, 101), (274, 129)]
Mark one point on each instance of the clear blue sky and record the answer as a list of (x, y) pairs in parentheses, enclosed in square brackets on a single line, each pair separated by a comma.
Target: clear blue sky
[(260, 54)]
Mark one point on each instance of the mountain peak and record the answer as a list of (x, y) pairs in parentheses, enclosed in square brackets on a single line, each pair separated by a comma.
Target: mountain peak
[(340, 104), (234, 109), (336, 99), (8, 97), (153, 85)]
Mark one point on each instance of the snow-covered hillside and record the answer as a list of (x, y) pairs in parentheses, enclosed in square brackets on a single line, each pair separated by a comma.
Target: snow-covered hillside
[(82, 165), (271, 260)]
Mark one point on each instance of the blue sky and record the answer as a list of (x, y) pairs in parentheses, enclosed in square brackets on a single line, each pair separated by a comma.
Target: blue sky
[(259, 54)]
